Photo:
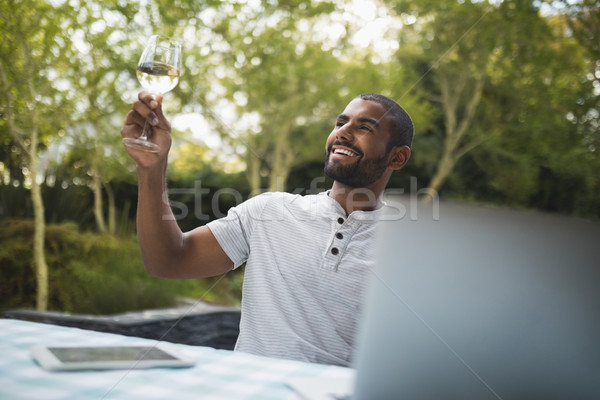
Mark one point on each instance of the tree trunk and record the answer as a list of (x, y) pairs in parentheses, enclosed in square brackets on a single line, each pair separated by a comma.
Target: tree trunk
[(279, 172), (458, 119), (98, 203), (39, 257), (444, 168), (278, 179), (112, 209), (253, 173), (280, 168)]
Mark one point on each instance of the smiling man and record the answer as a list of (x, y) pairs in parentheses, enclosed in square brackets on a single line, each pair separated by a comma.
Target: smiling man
[(370, 140), (306, 257)]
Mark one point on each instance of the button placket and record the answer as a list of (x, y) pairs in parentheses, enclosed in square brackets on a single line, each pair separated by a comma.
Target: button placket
[(335, 250), (342, 232), (342, 235)]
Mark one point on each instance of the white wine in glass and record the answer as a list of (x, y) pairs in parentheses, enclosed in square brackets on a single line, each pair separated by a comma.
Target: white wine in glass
[(157, 77), (158, 72)]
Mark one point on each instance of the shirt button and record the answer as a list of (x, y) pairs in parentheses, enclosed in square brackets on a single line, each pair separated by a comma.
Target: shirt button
[(335, 251), (340, 220), (339, 235)]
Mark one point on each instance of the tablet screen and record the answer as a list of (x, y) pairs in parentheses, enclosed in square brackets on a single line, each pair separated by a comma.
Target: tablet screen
[(85, 354), (56, 358)]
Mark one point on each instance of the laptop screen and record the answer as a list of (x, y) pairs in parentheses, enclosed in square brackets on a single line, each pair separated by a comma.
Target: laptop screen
[(482, 303)]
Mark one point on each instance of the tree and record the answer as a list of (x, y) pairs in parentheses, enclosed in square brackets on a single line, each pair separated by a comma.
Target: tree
[(582, 21), (294, 78), (31, 64), (458, 41), (281, 75), (503, 100), (269, 79), (101, 71)]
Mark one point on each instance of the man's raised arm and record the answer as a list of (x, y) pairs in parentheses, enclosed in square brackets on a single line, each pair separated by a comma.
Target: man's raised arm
[(167, 251)]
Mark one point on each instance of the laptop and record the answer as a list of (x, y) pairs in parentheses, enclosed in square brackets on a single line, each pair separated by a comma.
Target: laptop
[(475, 302)]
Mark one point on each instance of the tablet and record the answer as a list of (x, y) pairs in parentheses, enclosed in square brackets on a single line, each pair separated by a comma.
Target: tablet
[(71, 358)]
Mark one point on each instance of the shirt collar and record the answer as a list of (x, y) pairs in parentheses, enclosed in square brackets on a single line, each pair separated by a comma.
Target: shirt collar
[(359, 215)]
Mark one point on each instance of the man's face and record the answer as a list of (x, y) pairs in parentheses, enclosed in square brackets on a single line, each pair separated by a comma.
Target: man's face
[(356, 151)]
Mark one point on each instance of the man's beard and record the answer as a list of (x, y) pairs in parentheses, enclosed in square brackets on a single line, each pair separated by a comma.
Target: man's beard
[(358, 174)]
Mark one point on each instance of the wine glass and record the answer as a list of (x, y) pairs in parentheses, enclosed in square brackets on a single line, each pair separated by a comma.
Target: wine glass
[(158, 72)]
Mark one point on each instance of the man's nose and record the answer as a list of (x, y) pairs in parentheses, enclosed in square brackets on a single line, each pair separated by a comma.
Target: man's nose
[(345, 132)]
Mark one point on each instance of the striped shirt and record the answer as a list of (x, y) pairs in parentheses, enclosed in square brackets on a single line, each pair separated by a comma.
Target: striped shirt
[(306, 269)]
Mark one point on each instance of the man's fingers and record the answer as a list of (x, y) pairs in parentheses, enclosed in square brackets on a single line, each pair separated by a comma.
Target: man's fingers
[(145, 112), (134, 118), (131, 131), (147, 99), (163, 121), (150, 108), (133, 125)]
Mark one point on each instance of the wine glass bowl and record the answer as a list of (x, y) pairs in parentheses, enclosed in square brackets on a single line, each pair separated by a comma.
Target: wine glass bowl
[(158, 72)]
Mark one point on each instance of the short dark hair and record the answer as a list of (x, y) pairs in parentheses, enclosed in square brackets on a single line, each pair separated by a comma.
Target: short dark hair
[(402, 128)]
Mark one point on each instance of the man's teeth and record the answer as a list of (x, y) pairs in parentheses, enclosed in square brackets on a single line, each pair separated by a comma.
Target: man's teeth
[(344, 152)]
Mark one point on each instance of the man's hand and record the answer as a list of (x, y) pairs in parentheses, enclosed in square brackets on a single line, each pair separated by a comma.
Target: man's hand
[(148, 109)]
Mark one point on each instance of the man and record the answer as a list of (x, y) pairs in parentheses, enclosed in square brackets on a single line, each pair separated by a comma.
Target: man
[(307, 257)]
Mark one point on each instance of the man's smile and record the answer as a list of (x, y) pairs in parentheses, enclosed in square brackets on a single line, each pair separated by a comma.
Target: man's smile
[(342, 151)]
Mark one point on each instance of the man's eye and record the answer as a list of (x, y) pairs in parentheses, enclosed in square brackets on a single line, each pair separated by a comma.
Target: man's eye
[(366, 128), (340, 123)]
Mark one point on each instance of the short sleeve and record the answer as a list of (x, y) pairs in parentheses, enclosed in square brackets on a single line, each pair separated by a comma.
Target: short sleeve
[(234, 231)]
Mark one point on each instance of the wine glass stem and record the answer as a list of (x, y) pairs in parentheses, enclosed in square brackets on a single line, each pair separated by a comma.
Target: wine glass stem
[(146, 131)]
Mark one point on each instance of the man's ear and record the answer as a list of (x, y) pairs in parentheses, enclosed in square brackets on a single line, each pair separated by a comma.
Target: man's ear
[(399, 157)]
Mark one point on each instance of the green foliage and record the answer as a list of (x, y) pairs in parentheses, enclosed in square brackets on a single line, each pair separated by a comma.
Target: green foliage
[(31, 58), (534, 124), (68, 75), (94, 274)]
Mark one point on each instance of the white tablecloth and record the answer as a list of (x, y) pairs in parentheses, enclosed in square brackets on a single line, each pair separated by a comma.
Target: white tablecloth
[(218, 374)]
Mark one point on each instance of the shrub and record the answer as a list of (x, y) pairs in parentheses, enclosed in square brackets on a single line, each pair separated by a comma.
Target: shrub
[(91, 273)]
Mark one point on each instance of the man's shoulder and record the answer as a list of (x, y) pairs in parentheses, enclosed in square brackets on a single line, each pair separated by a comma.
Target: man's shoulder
[(286, 197), (285, 204)]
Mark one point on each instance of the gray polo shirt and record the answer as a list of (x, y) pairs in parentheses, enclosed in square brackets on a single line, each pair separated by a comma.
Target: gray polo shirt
[(306, 269)]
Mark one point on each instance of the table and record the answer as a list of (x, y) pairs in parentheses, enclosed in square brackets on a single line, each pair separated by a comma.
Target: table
[(218, 374)]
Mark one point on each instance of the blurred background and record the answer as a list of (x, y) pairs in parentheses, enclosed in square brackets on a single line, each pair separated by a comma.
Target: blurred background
[(505, 96)]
